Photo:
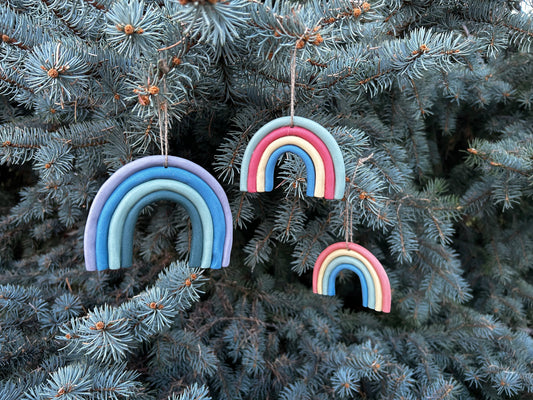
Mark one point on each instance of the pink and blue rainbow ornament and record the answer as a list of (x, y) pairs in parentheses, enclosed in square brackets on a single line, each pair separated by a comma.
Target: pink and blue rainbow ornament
[(108, 239), (310, 141), (346, 256)]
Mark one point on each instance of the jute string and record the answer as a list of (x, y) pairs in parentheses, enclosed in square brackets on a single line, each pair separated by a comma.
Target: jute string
[(293, 76), (162, 112), (293, 81), (348, 213)]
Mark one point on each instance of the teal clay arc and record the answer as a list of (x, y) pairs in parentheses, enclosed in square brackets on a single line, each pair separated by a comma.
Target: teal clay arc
[(195, 257)]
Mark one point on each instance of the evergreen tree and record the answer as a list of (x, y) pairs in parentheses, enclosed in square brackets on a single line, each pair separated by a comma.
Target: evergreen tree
[(431, 104)]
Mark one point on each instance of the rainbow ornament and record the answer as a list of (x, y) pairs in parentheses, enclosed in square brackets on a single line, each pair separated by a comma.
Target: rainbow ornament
[(308, 140), (108, 239), (375, 286)]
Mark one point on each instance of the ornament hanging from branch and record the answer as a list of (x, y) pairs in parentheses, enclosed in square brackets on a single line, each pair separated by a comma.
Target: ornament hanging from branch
[(303, 137), (375, 286), (108, 239)]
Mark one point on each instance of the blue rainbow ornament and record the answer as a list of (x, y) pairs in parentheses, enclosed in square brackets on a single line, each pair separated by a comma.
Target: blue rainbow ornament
[(108, 239)]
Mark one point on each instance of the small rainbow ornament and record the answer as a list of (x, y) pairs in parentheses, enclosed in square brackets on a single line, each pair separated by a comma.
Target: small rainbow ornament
[(108, 239), (312, 142), (375, 286)]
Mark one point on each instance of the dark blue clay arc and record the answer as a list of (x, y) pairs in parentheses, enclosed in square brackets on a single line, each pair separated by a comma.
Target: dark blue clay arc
[(309, 166)]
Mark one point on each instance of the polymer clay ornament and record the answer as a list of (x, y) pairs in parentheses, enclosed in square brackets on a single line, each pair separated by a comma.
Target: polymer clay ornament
[(108, 240), (375, 285), (305, 138)]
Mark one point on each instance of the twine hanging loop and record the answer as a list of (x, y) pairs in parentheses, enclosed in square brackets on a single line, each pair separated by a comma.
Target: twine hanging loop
[(293, 81)]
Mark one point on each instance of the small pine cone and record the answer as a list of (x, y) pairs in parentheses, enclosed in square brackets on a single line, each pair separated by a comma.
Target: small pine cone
[(144, 100), (129, 29), (318, 39), (53, 73)]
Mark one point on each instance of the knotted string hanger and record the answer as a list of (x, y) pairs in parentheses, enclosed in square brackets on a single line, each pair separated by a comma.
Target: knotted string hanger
[(348, 221), (162, 114), (348, 214), (293, 75), (293, 81)]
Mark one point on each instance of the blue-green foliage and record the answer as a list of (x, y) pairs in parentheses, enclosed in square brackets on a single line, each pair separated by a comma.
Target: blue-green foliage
[(431, 104)]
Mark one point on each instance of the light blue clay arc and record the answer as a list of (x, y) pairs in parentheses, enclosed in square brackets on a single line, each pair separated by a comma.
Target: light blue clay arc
[(371, 292), (350, 267), (195, 257), (317, 129), (214, 242), (128, 202), (309, 166)]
